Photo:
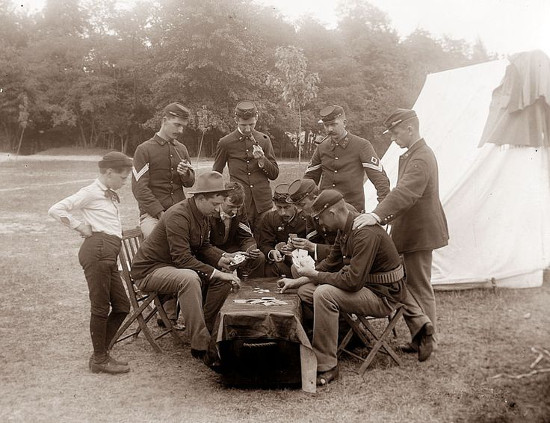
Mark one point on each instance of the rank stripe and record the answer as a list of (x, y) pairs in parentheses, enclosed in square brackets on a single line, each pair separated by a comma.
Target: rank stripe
[(379, 168), (311, 234), (139, 174), (312, 168), (245, 228)]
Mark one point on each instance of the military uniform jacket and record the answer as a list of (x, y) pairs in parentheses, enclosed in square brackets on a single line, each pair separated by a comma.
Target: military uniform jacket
[(342, 167), (239, 237), (273, 230), (180, 239), (156, 184), (413, 206), (357, 253), (235, 150), (323, 239)]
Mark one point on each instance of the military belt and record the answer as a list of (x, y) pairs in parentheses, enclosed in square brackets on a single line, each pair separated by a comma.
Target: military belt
[(392, 276)]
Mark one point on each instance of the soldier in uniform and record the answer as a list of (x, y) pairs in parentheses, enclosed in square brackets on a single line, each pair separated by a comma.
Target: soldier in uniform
[(230, 232), (162, 167), (414, 210), (251, 161), (318, 241), (275, 230), (342, 159), (177, 258), (362, 274)]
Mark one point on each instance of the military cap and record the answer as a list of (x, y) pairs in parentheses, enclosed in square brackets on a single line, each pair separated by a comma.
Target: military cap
[(114, 160), (280, 194), (246, 109), (209, 182), (299, 189), (176, 110), (398, 116), (326, 199), (330, 113)]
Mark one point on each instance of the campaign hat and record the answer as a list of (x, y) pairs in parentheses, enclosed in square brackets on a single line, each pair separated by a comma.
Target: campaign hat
[(176, 110), (246, 109), (114, 160), (280, 193), (299, 189), (398, 116), (324, 200), (330, 113), (209, 182)]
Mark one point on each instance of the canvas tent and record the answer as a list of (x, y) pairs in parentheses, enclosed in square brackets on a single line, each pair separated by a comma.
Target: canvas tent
[(489, 127)]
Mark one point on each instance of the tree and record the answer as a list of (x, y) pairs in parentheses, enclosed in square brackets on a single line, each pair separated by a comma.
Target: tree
[(298, 87)]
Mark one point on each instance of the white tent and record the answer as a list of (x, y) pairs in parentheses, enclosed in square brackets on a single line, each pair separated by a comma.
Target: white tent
[(496, 197)]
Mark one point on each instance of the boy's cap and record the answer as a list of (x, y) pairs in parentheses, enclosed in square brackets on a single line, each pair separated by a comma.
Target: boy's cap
[(114, 159), (176, 110)]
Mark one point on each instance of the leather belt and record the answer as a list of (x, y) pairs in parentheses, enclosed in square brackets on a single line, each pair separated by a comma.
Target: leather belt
[(392, 276)]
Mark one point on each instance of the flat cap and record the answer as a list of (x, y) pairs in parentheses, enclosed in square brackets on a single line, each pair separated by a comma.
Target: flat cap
[(114, 160), (246, 109), (209, 182), (177, 110), (299, 189), (280, 194), (330, 113), (326, 199), (398, 116)]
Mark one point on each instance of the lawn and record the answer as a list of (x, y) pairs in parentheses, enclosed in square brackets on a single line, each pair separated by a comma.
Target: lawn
[(44, 331)]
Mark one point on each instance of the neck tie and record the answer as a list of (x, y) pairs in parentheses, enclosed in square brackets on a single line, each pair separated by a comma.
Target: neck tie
[(112, 195)]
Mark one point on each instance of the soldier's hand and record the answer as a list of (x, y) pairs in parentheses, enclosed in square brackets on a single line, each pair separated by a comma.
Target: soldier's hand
[(303, 244), (253, 253), (184, 167), (307, 271), (275, 255), (364, 219), (85, 230), (287, 283), (224, 263)]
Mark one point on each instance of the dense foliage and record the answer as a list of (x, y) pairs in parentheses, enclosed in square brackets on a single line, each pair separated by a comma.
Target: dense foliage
[(93, 73)]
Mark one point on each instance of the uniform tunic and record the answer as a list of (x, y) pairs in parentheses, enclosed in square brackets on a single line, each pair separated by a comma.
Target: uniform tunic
[(235, 150), (342, 166), (156, 184)]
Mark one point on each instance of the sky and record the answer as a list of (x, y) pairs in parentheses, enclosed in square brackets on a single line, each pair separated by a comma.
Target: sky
[(504, 26)]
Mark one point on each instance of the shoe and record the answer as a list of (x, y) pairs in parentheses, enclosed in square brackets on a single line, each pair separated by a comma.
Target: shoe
[(408, 348), (118, 362), (108, 366), (324, 378), (198, 354), (426, 345), (175, 324)]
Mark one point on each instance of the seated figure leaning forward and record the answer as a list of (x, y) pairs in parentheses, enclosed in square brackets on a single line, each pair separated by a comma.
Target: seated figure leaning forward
[(362, 274), (177, 258)]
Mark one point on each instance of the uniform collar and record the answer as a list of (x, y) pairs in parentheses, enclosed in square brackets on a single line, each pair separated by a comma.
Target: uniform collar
[(342, 142), (349, 223), (418, 144), (196, 212), (162, 141)]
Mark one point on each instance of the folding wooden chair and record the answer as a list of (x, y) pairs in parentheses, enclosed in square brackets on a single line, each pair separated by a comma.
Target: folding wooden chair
[(364, 329), (145, 306)]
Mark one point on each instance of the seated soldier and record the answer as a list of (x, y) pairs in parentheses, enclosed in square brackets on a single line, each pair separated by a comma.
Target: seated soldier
[(318, 241), (230, 232), (276, 228), (362, 274), (177, 258)]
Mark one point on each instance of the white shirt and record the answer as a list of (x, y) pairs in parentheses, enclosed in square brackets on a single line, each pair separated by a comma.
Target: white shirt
[(98, 211)]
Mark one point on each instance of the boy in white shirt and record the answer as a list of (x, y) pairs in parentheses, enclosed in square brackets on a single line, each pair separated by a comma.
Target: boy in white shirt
[(101, 229)]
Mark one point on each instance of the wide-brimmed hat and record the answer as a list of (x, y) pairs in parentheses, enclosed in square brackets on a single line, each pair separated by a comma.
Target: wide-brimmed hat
[(209, 182)]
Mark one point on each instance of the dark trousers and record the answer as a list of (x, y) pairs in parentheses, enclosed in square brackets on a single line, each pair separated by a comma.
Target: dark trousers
[(109, 302)]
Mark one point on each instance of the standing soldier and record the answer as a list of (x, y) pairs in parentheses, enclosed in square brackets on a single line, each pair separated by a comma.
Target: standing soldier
[(162, 168), (251, 161), (341, 160)]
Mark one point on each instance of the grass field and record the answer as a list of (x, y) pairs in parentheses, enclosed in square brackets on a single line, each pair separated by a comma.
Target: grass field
[(46, 345)]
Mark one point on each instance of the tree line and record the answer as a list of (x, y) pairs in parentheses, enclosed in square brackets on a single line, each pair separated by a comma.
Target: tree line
[(91, 73)]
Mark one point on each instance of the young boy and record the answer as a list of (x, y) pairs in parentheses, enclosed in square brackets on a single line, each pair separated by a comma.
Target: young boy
[(101, 229)]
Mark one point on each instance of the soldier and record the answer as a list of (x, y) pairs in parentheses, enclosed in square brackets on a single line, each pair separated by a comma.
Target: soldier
[(251, 161), (230, 232), (162, 167), (341, 160), (414, 210), (276, 229)]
